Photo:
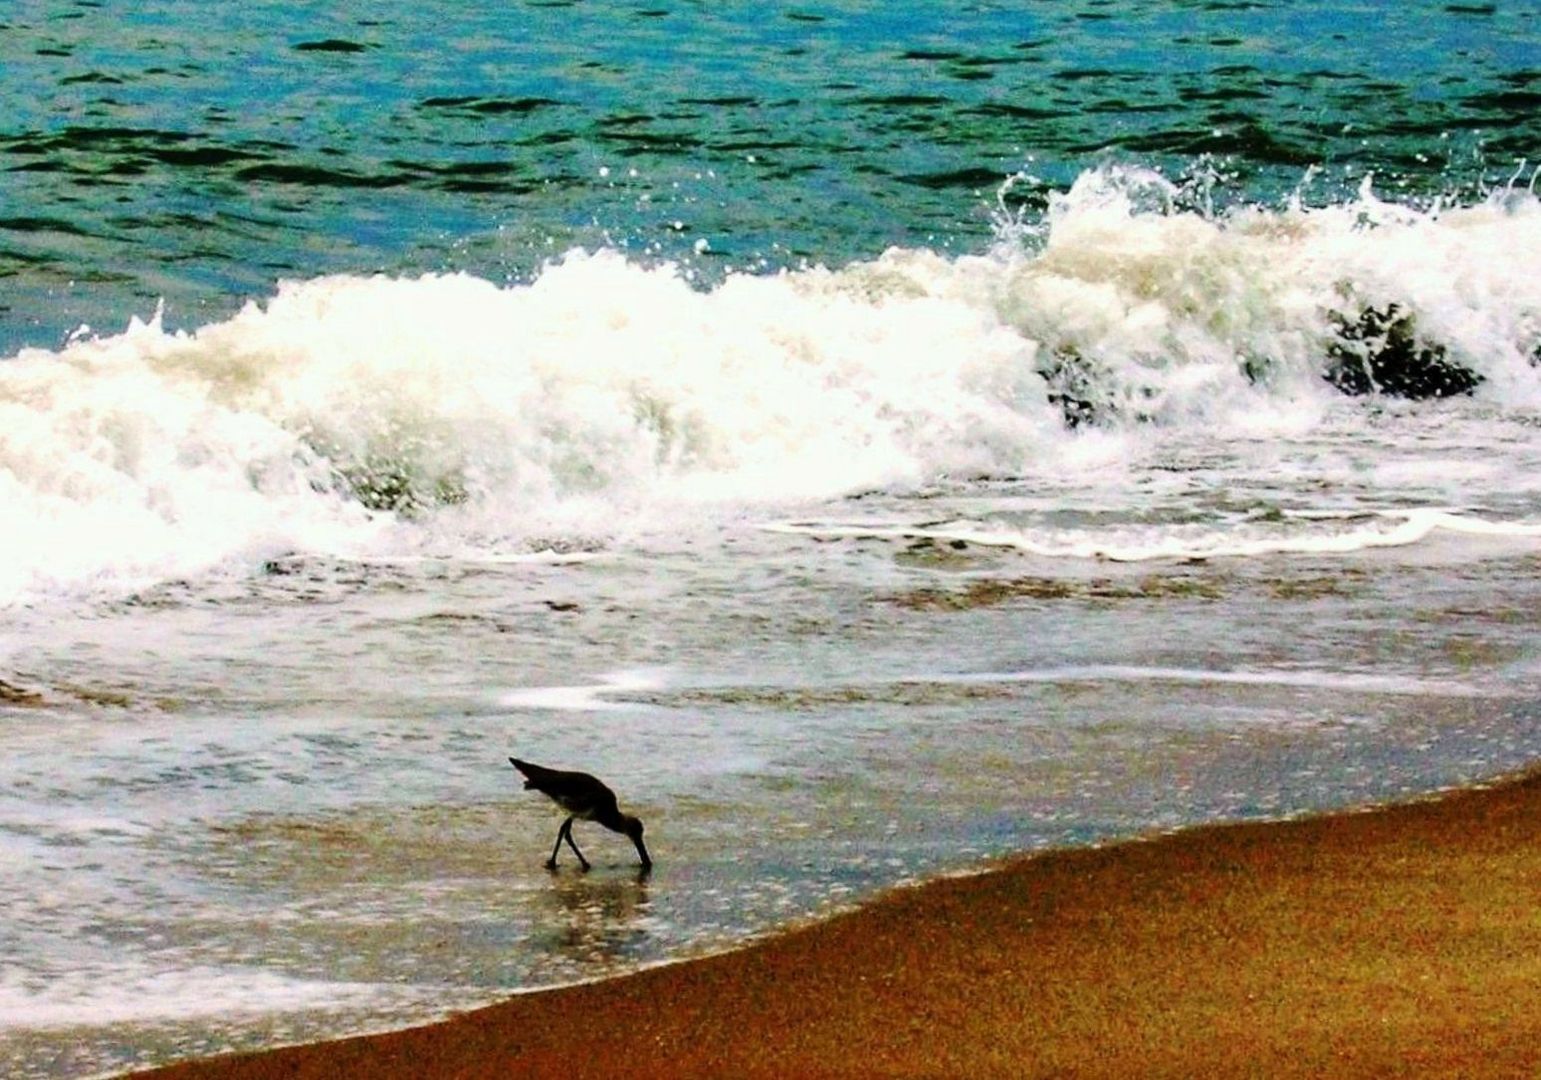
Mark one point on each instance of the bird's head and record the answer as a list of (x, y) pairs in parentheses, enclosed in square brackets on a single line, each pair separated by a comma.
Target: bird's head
[(632, 827)]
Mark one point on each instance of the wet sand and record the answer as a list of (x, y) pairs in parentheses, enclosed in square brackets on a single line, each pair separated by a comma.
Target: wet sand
[(1403, 941)]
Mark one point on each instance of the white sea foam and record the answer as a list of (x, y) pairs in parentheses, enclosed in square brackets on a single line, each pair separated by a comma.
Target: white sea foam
[(1328, 534), (1350, 682), (589, 698), (131, 995), (378, 417)]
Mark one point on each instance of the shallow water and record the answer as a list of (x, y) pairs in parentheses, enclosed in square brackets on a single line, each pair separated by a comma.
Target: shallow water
[(1060, 519), (297, 820)]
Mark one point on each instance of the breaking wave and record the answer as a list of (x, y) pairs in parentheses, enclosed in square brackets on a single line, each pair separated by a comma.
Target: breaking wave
[(352, 415)]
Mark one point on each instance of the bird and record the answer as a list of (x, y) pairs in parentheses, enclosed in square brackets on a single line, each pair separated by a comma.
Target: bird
[(582, 796)]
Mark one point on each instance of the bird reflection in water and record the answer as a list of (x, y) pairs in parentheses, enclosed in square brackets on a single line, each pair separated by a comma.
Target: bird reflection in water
[(598, 920)]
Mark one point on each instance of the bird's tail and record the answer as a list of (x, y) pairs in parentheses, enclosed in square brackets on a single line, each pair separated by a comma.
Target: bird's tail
[(526, 768)]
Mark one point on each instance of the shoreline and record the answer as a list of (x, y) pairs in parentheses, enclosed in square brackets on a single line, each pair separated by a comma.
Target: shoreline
[(1397, 939)]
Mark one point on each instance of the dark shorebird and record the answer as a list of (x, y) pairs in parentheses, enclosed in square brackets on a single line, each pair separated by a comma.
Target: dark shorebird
[(582, 796)]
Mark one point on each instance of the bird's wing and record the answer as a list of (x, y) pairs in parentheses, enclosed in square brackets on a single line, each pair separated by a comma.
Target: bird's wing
[(564, 786)]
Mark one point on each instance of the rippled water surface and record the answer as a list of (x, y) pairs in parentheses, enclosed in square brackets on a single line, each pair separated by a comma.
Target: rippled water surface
[(172, 151)]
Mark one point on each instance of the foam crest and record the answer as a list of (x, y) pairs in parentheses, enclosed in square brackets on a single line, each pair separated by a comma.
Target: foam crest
[(114, 465), (347, 411), (393, 418), (1304, 534), (1146, 310)]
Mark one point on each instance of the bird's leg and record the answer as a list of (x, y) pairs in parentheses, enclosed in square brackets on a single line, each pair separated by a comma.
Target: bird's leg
[(566, 825), (573, 844)]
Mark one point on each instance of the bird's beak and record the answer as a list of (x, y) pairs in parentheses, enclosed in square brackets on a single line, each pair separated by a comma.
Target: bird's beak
[(647, 863)]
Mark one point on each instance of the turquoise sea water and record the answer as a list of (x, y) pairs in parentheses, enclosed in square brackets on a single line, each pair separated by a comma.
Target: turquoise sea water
[(875, 437), (193, 155)]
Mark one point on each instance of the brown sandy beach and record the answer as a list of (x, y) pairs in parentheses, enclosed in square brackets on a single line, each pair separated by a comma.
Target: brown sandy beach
[(1403, 941)]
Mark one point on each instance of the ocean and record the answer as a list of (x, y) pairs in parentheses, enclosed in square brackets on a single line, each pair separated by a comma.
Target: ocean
[(875, 438)]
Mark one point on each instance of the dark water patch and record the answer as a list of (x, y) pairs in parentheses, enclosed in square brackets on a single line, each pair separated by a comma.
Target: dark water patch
[(921, 125), (1227, 117), (548, 138), (1516, 146), (85, 138), (625, 120), (1013, 112), (125, 167), (757, 145), (478, 177), (972, 178), (727, 102), (1249, 141), (1520, 101), (199, 156), (22, 258), (930, 54), (1472, 9), (1119, 105), (315, 176), (1082, 74), (969, 74), (786, 172), (42, 225), (1431, 127), (901, 101), (804, 17), (1230, 93), (983, 60), (332, 45), (681, 115), (482, 106), (460, 168), (92, 77), (633, 143), (506, 106)]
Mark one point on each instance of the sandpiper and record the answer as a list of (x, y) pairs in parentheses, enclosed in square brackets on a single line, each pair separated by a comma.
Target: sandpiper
[(582, 796)]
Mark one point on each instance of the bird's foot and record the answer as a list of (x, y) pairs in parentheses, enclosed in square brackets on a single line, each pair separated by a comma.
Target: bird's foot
[(551, 865)]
